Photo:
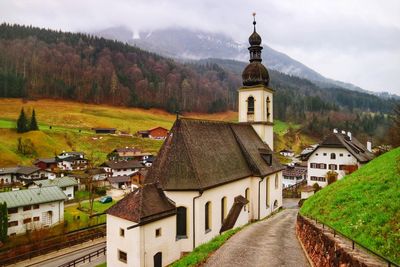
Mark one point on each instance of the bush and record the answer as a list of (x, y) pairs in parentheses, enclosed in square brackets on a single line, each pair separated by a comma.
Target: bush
[(101, 191)]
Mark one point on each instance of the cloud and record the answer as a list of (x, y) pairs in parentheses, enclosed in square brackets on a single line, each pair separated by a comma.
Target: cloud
[(350, 40)]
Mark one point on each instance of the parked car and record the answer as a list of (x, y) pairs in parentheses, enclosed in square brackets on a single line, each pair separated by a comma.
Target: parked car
[(105, 199)]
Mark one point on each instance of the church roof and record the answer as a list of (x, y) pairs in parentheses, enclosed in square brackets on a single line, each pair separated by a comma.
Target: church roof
[(199, 154), (144, 205)]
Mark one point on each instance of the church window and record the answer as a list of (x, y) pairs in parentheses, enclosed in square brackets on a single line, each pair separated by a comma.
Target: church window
[(247, 196), (158, 232), (223, 209), (122, 256), (121, 232), (268, 109), (207, 217), (250, 105), (276, 181), (181, 223), (267, 192), (333, 156)]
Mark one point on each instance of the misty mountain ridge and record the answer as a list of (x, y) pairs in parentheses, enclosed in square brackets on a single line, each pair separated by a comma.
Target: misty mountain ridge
[(186, 44)]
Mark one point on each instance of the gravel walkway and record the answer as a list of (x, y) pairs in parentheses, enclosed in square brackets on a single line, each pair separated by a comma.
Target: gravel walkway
[(270, 243)]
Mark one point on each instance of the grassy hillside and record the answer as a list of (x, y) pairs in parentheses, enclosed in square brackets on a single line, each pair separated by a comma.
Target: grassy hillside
[(71, 124), (364, 205)]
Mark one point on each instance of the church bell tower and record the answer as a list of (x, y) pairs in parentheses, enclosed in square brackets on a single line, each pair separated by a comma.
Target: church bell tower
[(255, 96)]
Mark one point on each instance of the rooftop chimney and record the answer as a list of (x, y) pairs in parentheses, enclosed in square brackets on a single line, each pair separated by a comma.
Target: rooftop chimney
[(349, 135), (369, 146)]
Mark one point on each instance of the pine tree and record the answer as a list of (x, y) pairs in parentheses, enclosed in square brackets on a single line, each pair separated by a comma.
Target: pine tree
[(3, 222), (33, 125), (22, 123)]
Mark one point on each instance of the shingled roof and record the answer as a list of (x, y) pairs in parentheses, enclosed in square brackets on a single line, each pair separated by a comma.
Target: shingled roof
[(339, 140), (144, 205), (199, 154)]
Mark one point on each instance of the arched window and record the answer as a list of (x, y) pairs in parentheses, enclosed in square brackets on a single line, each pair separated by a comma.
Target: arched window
[(181, 223), (276, 181), (275, 204), (247, 196), (267, 191), (333, 156), (157, 258), (268, 109), (250, 105), (223, 209), (207, 212)]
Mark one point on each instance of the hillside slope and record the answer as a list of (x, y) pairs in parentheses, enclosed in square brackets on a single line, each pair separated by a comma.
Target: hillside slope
[(364, 205)]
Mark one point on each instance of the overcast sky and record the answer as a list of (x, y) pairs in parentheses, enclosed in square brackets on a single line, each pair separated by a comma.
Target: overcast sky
[(355, 41)]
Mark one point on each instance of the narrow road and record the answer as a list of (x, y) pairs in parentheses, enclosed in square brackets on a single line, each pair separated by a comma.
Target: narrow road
[(61, 259), (271, 243)]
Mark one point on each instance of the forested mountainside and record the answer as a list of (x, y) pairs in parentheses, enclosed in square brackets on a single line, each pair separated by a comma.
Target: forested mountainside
[(41, 63)]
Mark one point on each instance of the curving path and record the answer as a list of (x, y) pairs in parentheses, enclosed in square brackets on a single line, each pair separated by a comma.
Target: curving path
[(270, 243)]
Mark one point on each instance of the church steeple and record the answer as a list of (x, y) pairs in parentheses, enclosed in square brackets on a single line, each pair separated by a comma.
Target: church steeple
[(256, 97), (255, 73)]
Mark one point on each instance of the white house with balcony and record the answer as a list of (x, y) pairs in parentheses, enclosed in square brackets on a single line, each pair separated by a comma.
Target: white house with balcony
[(339, 152), (33, 208), (67, 184), (23, 174)]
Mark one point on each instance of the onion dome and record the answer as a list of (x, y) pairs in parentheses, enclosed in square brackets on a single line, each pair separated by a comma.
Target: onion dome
[(255, 73)]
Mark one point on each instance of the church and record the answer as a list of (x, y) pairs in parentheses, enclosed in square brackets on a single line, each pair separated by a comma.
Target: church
[(209, 176)]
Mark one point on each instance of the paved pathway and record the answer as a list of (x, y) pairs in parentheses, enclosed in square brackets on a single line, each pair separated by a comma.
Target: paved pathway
[(269, 243)]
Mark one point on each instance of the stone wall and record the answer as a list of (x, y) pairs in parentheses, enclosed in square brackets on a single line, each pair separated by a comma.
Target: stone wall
[(325, 249)]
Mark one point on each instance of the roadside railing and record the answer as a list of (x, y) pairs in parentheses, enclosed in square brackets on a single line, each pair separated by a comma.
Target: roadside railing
[(335, 232), (86, 258), (51, 248)]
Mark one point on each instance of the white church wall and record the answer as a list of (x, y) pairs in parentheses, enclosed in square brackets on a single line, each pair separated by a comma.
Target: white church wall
[(130, 243)]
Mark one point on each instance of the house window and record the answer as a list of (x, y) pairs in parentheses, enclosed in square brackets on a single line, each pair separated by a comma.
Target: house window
[(324, 154), (341, 155), (318, 179), (12, 210), (158, 232), (27, 220), (267, 192), (36, 219), (247, 196), (207, 213), (349, 155), (36, 206), (333, 156), (27, 208), (250, 105), (122, 256), (276, 181), (121, 232), (332, 166), (12, 223), (181, 223), (316, 154), (223, 209)]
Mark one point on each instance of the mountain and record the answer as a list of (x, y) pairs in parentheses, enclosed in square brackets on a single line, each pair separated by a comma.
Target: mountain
[(183, 44)]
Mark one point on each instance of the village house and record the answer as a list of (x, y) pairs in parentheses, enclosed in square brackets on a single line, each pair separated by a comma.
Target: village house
[(121, 168), (67, 184), (293, 175), (286, 153), (71, 161), (104, 130), (49, 164), (340, 153), (128, 153), (208, 177), (23, 174), (33, 208), (154, 133)]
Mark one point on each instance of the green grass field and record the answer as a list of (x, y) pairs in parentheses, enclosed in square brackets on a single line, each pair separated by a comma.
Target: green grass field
[(364, 205)]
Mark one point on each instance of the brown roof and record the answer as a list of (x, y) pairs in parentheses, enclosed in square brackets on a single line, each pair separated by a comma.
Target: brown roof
[(202, 154), (119, 179), (339, 140), (294, 172), (122, 164), (144, 205)]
